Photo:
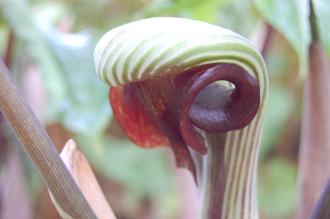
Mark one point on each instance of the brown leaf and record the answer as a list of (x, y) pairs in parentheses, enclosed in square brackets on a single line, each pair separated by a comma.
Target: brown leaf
[(82, 173)]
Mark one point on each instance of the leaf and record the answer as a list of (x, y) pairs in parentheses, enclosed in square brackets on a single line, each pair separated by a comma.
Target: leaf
[(86, 100), (239, 16), (142, 172), (83, 175), (27, 33), (205, 10), (76, 96), (322, 9), (277, 188), (291, 19), (3, 39), (279, 107), (200, 10)]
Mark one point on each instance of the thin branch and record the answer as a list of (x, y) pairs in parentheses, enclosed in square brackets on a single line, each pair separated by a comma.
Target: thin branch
[(262, 37), (322, 210), (9, 49), (40, 148), (7, 58), (266, 43), (314, 148), (313, 22), (3, 141), (314, 141)]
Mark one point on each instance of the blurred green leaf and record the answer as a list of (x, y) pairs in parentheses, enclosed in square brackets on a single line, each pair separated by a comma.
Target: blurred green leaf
[(207, 10), (102, 14), (18, 16), (291, 19), (3, 38), (277, 188), (279, 108), (85, 108), (239, 16), (200, 10), (143, 171), (322, 11), (77, 96)]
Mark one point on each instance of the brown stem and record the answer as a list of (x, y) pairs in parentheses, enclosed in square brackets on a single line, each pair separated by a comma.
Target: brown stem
[(313, 22), (3, 141), (9, 50), (40, 148), (214, 177), (322, 210), (314, 151), (7, 60), (314, 168), (267, 40)]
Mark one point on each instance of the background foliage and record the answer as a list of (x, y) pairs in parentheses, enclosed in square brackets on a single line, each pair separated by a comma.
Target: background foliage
[(52, 60)]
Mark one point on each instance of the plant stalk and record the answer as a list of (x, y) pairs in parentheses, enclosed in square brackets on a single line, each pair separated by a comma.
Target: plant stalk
[(322, 210), (9, 50), (229, 180), (213, 182), (40, 148), (266, 42), (314, 150), (313, 23), (314, 168)]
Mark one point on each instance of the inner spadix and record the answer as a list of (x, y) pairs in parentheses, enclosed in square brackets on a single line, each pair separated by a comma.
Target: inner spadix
[(211, 104)]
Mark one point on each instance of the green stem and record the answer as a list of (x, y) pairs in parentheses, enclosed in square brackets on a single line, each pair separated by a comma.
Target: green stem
[(40, 148)]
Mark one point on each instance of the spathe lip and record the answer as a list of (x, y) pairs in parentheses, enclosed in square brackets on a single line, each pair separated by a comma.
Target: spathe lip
[(226, 111)]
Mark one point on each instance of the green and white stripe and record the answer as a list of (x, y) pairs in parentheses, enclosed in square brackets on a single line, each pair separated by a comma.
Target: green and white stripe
[(160, 46)]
